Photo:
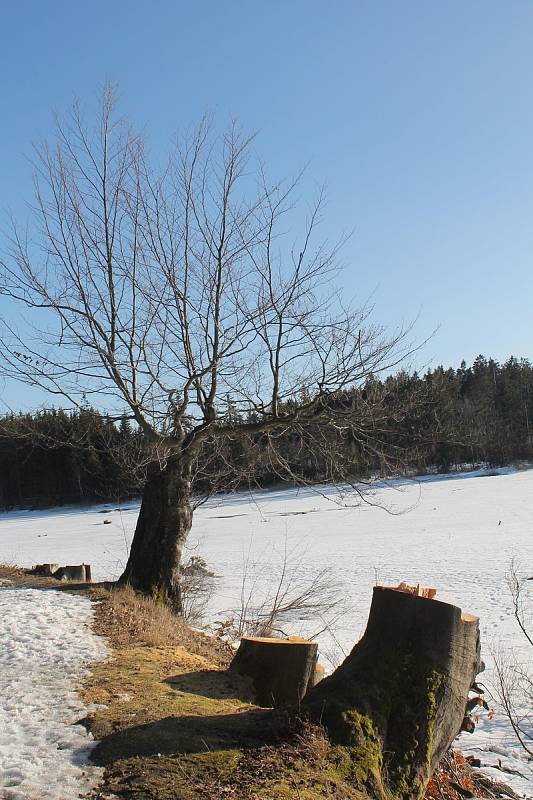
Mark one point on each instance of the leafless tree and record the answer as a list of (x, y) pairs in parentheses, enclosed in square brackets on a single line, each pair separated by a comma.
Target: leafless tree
[(166, 291), (514, 679)]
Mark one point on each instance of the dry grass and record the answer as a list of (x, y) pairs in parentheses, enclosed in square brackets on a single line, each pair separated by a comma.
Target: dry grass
[(170, 721), (173, 724), (312, 743), (126, 618), (10, 574)]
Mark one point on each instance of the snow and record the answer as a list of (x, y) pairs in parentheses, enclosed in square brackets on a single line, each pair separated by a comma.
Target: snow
[(45, 646), (457, 533)]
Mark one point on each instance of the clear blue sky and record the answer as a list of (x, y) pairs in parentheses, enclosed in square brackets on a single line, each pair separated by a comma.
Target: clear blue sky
[(417, 114)]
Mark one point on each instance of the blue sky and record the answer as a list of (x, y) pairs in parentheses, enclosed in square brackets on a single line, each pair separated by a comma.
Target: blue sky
[(418, 115)]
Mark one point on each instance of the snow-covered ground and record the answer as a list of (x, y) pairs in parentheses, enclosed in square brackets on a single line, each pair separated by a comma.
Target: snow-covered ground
[(45, 646), (457, 533)]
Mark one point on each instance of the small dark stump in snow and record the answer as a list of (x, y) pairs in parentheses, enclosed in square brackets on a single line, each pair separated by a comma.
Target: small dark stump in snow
[(45, 570), (79, 572)]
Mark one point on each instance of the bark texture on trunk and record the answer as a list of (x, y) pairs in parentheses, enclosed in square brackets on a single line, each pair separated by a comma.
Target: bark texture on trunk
[(398, 700), (281, 669), (164, 523)]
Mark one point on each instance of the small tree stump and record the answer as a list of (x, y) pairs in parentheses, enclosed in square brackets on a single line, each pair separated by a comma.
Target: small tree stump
[(398, 700), (78, 572), (281, 669), (46, 570)]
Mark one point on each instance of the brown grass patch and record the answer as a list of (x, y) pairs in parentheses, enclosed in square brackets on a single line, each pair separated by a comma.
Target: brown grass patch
[(171, 721), (177, 726), (17, 576), (125, 618)]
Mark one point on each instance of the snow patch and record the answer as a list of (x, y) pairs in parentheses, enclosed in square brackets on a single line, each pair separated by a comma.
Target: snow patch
[(45, 647)]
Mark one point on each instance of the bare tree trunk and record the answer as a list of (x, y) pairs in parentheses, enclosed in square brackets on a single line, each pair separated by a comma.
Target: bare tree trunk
[(164, 523), (398, 700)]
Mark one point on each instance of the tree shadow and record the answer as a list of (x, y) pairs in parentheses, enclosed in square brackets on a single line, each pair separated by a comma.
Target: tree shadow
[(51, 585), (215, 684), (191, 734), (64, 586)]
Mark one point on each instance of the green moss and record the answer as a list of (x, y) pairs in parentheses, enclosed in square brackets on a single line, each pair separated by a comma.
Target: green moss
[(301, 780), (406, 780), (435, 681), (159, 595), (387, 732), (363, 757), (340, 763)]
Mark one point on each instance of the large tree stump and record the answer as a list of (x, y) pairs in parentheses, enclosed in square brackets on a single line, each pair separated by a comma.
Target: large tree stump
[(281, 669), (398, 700)]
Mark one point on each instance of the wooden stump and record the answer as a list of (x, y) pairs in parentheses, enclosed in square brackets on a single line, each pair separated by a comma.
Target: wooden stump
[(318, 675), (398, 700), (78, 572), (281, 669), (46, 570)]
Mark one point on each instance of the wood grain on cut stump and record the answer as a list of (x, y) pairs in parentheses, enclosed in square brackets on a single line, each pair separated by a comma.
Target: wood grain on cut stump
[(281, 669)]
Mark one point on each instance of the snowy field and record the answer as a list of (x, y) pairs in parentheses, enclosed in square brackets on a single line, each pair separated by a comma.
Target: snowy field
[(45, 645), (457, 533)]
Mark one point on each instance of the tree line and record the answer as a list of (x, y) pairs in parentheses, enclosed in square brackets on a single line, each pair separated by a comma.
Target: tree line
[(441, 420), (54, 457)]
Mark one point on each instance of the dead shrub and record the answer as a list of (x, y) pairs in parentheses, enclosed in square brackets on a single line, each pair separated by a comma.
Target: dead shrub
[(197, 585), (312, 742), (276, 599)]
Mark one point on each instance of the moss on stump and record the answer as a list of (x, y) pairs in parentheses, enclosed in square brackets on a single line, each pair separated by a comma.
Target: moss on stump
[(398, 700)]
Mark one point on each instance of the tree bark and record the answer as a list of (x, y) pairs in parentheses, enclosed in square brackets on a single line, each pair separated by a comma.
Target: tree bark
[(164, 523), (398, 700), (281, 669)]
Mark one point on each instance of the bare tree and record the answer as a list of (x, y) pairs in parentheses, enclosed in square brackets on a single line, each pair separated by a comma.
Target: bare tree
[(514, 680), (168, 290)]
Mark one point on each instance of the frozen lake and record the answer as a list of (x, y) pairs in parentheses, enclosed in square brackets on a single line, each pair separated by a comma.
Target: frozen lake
[(456, 533)]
